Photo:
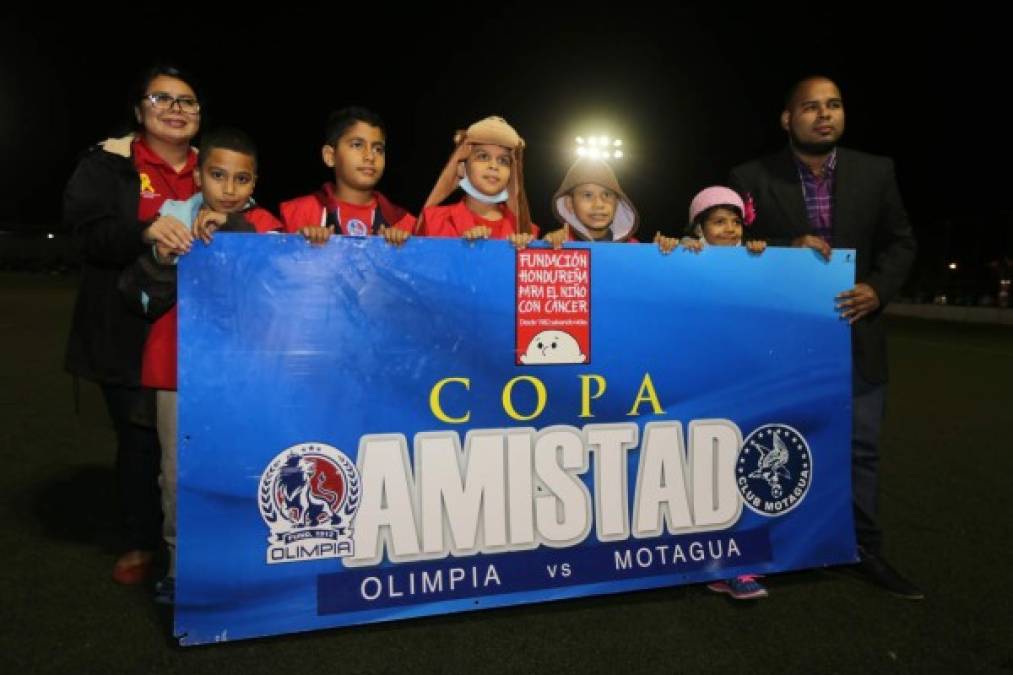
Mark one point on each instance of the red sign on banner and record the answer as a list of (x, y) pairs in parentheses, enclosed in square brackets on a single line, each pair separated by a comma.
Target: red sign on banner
[(553, 306)]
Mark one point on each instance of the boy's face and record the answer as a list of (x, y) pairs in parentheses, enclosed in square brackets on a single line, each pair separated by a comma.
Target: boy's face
[(488, 168), (226, 179), (358, 158), (723, 227), (594, 206)]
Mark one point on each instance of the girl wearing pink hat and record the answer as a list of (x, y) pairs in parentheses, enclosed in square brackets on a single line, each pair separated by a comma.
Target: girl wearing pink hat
[(716, 218)]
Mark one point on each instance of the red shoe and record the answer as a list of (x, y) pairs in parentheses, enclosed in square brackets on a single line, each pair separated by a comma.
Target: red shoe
[(132, 568)]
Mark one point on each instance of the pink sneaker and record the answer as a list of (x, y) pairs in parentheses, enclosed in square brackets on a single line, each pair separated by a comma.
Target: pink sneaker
[(744, 587)]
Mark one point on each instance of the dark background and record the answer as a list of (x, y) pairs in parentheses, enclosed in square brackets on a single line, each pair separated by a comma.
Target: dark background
[(692, 90)]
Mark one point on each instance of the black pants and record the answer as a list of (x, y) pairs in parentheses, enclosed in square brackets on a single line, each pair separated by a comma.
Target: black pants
[(137, 467), (869, 407)]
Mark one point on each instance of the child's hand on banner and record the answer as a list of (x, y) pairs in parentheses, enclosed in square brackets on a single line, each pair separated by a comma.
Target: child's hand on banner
[(691, 244), (557, 238), (477, 232), (394, 236), (317, 236), (665, 244), (206, 223), (519, 241)]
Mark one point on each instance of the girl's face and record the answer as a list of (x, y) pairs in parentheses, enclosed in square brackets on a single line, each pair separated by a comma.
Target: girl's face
[(169, 110), (488, 168), (723, 227)]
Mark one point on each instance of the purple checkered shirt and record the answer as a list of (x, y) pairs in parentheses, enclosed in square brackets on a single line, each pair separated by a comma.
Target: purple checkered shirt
[(818, 193)]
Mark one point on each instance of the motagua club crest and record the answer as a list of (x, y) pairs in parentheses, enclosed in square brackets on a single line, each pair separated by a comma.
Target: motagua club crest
[(774, 469)]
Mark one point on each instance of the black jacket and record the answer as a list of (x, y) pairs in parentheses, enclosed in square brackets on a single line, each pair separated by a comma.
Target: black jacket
[(100, 204), (868, 216)]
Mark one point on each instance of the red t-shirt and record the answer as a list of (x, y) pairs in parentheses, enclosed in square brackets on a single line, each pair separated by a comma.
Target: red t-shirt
[(456, 219), (355, 219)]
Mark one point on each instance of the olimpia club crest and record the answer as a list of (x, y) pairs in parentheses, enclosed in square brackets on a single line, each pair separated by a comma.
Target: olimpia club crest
[(308, 497), (774, 469)]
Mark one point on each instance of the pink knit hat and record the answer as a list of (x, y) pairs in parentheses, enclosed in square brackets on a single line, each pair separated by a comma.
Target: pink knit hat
[(714, 196)]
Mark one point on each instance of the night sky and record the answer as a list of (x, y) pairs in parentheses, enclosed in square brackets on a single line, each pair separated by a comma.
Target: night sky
[(692, 91)]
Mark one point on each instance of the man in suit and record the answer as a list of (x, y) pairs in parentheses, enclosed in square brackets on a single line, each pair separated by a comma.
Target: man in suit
[(819, 195)]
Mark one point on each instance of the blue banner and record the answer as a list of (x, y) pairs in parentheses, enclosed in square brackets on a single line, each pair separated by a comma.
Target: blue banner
[(369, 433)]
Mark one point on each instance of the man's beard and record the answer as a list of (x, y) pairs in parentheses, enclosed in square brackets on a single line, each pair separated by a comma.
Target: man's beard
[(815, 149)]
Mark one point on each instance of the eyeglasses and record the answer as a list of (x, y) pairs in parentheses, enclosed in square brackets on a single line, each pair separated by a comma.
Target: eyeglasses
[(163, 101)]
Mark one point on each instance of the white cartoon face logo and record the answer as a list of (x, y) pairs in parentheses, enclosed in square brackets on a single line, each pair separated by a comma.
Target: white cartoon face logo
[(553, 346)]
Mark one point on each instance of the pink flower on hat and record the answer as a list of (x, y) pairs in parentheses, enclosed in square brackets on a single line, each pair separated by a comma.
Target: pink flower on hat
[(749, 210)]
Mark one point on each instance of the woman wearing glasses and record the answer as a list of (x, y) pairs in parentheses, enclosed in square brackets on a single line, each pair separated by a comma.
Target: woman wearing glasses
[(112, 203)]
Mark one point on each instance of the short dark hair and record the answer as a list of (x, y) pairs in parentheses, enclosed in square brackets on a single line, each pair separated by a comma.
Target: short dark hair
[(159, 70), (340, 121), (789, 97), (226, 138)]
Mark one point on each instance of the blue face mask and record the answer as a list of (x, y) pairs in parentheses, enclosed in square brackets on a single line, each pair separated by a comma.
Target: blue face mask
[(473, 192)]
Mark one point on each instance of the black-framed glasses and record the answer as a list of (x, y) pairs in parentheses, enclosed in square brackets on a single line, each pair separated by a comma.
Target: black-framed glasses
[(161, 100)]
